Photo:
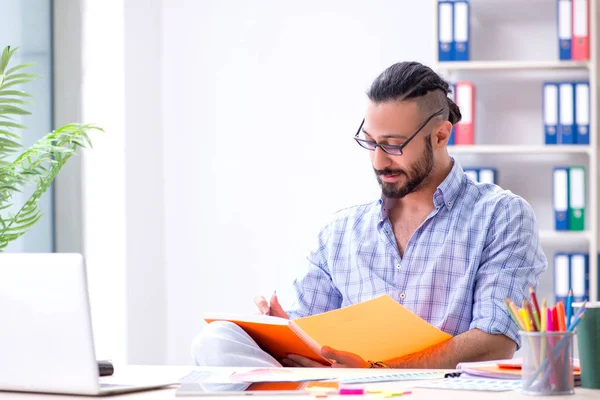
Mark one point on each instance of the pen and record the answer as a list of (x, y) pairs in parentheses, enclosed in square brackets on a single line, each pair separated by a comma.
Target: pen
[(536, 308), (569, 306), (535, 322), (544, 316), (560, 310)]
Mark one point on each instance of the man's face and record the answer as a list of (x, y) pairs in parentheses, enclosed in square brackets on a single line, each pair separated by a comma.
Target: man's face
[(393, 123)]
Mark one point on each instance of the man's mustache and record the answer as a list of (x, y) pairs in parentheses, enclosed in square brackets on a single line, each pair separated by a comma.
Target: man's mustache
[(388, 172)]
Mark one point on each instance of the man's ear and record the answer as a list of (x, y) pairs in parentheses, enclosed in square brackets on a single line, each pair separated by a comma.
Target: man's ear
[(442, 134)]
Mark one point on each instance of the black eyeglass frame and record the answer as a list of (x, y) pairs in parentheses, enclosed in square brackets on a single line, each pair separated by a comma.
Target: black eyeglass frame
[(364, 143)]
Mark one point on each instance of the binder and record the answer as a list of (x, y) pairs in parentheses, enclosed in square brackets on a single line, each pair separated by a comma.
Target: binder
[(582, 112), (581, 30), (451, 95), (580, 272), (576, 198), (562, 276), (465, 99), (445, 30), (461, 30), (472, 173), (487, 175), (560, 198), (565, 29), (550, 100), (566, 120)]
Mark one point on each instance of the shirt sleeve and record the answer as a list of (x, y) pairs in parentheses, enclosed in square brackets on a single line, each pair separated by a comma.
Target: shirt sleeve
[(315, 290), (512, 260)]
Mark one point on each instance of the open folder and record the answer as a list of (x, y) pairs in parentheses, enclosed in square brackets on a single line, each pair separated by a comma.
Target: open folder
[(377, 329)]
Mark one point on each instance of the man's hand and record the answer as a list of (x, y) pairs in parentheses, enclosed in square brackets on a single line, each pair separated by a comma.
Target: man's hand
[(273, 308), (341, 359)]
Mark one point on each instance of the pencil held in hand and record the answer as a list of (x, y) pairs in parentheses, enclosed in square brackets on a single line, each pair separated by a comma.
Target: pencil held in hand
[(263, 306), (270, 308)]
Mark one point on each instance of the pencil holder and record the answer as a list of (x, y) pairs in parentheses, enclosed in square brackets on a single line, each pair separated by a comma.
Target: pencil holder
[(547, 363)]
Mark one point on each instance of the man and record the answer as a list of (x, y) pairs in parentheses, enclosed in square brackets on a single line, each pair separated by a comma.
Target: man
[(447, 248)]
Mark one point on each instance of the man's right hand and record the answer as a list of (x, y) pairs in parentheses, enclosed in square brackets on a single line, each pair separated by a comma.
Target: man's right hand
[(270, 308)]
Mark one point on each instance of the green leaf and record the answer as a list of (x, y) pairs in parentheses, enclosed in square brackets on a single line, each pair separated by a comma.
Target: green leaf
[(9, 143), (18, 67), (15, 93), (28, 77), (12, 125), (6, 55), (14, 83), (9, 134), (10, 100), (13, 110)]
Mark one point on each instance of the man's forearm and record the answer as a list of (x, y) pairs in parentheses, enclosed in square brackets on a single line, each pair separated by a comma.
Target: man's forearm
[(473, 345)]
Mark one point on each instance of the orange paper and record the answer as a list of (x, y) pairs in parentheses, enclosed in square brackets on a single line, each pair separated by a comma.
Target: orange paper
[(377, 329)]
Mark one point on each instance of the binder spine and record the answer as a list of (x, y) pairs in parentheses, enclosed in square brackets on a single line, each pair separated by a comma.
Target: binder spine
[(445, 31), (461, 30), (565, 29)]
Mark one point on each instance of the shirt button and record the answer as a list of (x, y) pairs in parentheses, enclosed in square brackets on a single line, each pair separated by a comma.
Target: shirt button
[(398, 266), (449, 203), (402, 295)]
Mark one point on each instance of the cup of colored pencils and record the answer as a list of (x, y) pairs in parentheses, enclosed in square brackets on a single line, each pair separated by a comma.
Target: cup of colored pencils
[(547, 344)]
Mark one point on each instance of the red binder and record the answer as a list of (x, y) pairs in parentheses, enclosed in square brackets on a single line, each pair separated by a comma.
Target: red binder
[(465, 99), (581, 30)]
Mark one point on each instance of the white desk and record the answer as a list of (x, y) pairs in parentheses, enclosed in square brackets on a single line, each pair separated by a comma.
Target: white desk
[(134, 374)]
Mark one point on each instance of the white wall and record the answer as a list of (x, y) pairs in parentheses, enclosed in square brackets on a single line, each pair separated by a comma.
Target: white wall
[(228, 145), (260, 103), (144, 198)]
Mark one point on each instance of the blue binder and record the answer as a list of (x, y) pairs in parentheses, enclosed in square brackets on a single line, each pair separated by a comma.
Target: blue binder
[(445, 30), (560, 197), (562, 276), (461, 30), (472, 173), (565, 28), (582, 112), (566, 113), (550, 105), (580, 276), (488, 175), (452, 96)]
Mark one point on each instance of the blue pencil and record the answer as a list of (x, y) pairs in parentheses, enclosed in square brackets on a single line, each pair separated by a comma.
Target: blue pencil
[(569, 306)]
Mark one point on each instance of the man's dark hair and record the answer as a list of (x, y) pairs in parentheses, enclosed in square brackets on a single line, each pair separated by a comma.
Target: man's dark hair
[(412, 80)]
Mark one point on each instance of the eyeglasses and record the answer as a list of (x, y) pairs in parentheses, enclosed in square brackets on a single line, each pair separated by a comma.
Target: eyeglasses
[(389, 148)]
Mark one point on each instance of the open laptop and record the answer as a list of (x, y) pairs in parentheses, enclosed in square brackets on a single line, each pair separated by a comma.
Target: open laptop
[(46, 342)]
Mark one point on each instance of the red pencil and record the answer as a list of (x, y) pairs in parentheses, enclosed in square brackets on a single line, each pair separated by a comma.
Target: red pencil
[(534, 301), (554, 319)]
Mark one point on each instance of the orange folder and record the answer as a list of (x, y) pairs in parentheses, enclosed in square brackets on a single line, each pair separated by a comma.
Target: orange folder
[(377, 329)]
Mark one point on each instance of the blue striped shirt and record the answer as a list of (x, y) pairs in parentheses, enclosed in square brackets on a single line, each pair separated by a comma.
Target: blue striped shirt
[(478, 246)]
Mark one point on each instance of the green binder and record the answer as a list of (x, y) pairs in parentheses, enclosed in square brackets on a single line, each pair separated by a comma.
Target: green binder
[(577, 198)]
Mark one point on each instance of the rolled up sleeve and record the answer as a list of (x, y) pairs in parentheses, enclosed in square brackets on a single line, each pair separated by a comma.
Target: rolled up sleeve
[(511, 262)]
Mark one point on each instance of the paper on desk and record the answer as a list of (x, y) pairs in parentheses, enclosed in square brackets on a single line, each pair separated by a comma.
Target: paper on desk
[(204, 376), (282, 375), (487, 385)]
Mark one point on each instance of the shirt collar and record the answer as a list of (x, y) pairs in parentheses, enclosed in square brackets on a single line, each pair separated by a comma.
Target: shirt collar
[(444, 195), (448, 190)]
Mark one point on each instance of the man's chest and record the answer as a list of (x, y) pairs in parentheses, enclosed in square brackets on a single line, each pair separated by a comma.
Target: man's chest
[(404, 229)]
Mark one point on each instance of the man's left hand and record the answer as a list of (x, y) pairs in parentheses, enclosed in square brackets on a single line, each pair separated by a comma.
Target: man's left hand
[(341, 359)]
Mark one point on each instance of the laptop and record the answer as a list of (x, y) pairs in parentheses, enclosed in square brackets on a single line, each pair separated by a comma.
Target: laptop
[(46, 341)]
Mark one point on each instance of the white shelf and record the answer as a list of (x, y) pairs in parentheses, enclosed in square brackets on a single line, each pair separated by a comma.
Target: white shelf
[(551, 235), (512, 149), (511, 65)]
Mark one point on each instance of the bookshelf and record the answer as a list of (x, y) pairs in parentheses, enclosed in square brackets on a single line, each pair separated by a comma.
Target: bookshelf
[(515, 149), (449, 66), (495, 64)]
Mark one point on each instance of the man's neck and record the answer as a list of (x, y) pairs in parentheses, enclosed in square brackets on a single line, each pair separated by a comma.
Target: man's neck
[(422, 199)]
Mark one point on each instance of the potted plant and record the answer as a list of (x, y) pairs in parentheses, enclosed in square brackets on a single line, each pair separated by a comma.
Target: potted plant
[(39, 164)]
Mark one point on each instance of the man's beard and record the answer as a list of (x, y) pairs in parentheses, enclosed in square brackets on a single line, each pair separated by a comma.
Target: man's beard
[(417, 174)]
